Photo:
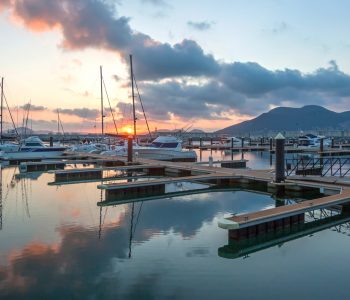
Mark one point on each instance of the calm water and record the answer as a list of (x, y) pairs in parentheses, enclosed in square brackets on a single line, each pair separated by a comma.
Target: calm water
[(56, 243)]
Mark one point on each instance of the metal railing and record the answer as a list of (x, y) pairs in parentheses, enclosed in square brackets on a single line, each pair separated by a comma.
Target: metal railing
[(332, 166)]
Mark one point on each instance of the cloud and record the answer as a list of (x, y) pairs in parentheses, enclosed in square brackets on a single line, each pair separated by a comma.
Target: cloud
[(255, 80), (95, 24), (4, 4), (125, 113), (116, 77), (245, 88), (200, 26), (85, 113), (33, 107), (156, 2), (77, 62), (188, 101), (51, 125), (183, 59), (280, 28), (41, 124), (211, 87)]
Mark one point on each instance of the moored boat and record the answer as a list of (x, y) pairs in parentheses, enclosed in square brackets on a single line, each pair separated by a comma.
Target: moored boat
[(162, 148), (32, 148)]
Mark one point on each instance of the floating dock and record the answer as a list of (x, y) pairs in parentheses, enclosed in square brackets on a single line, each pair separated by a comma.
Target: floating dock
[(337, 192), (252, 224), (242, 248)]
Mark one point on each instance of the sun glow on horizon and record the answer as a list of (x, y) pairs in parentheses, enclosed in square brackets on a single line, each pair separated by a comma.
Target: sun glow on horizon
[(127, 129)]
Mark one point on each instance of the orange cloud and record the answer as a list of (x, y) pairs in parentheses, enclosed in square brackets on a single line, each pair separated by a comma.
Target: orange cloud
[(5, 4), (37, 25)]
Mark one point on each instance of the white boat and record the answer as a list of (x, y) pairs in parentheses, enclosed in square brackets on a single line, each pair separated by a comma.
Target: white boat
[(236, 142), (162, 148), (89, 148), (9, 147), (311, 141), (32, 148)]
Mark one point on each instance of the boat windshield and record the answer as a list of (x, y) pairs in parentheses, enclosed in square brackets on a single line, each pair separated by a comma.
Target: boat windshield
[(164, 145), (29, 144)]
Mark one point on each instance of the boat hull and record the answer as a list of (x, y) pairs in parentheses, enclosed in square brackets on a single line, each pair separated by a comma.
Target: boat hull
[(158, 154), (36, 154), (165, 154)]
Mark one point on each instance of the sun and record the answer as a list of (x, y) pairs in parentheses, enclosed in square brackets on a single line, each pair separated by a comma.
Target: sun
[(128, 130)]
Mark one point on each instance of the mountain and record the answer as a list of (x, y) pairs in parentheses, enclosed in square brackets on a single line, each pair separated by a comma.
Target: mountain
[(310, 117), (197, 131)]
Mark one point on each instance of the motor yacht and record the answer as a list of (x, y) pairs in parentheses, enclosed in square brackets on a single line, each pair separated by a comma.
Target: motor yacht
[(32, 148), (162, 148)]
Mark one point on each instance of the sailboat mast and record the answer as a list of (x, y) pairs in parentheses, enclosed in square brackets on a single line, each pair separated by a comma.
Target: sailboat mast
[(132, 95), (58, 122), (2, 105), (102, 116)]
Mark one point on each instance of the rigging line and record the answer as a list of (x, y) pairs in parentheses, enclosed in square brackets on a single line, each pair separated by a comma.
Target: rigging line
[(137, 218), (110, 107), (62, 128), (131, 227), (26, 199), (8, 108), (26, 123), (143, 110), (60, 122), (100, 224), (8, 187), (104, 217)]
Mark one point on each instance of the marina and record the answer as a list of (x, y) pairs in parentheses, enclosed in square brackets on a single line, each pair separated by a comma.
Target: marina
[(189, 172), (157, 149), (180, 192)]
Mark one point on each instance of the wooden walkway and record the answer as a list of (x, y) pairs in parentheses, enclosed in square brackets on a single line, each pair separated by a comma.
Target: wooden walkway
[(167, 180), (204, 173), (119, 168), (232, 251), (264, 216)]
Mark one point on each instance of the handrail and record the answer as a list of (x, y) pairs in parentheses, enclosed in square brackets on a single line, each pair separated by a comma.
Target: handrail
[(331, 166)]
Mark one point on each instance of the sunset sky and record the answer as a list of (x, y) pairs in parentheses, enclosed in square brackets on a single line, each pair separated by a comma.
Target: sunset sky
[(206, 63)]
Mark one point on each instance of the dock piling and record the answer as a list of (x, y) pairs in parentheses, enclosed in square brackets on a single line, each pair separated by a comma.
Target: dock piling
[(279, 164), (231, 148), (210, 161), (321, 152), (130, 140)]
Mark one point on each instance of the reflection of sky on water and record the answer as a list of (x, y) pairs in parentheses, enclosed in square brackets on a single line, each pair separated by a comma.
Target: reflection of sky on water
[(256, 159), (55, 251)]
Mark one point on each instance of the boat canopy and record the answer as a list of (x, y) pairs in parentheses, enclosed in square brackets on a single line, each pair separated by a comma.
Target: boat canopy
[(33, 141), (166, 142)]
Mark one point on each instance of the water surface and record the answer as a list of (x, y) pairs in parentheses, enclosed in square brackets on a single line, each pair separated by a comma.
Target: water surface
[(56, 243)]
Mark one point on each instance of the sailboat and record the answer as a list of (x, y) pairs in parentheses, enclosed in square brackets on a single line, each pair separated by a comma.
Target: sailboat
[(162, 148), (96, 148), (29, 148), (5, 146)]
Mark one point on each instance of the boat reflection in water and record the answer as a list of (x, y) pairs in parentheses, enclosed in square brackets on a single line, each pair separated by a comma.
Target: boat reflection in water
[(314, 222)]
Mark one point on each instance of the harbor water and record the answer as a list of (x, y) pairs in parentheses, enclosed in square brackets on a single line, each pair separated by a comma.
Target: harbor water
[(57, 243)]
